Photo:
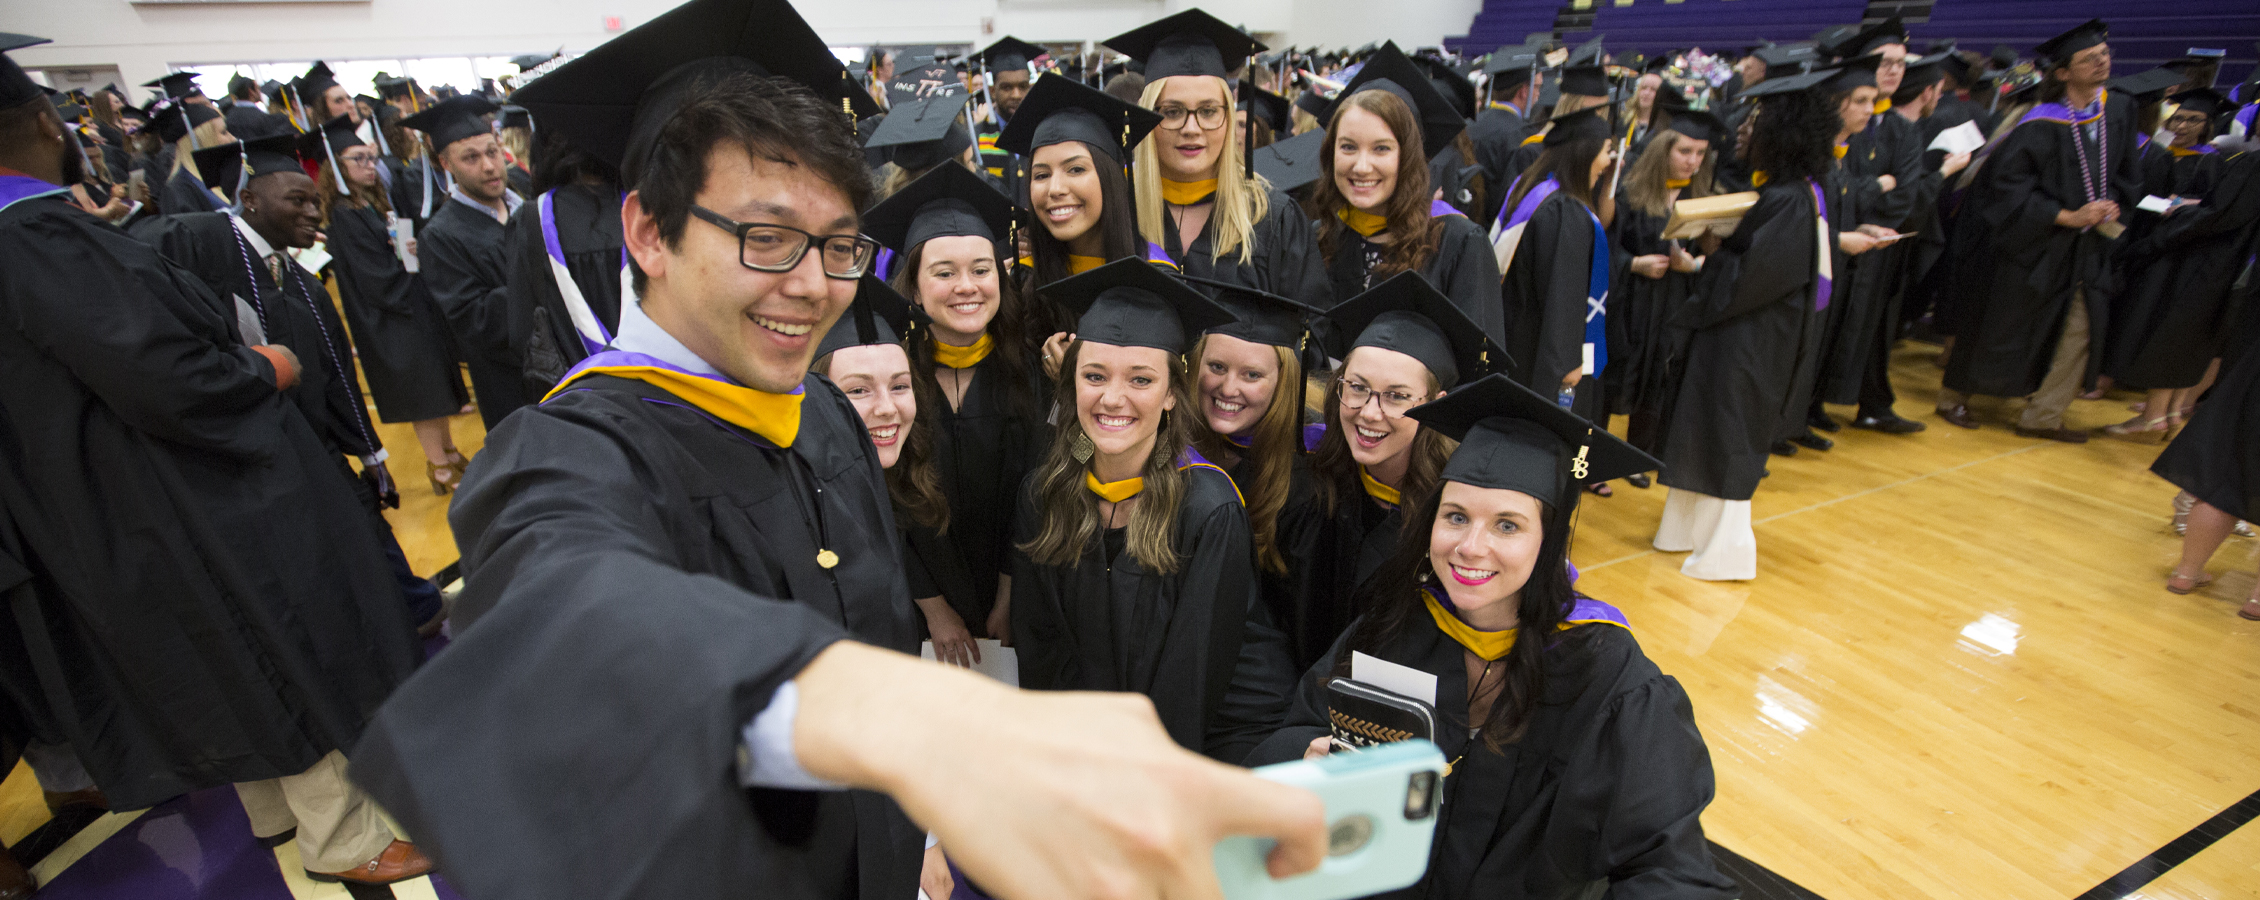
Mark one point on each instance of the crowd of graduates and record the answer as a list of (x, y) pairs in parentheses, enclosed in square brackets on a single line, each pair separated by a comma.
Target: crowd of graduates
[(1189, 371)]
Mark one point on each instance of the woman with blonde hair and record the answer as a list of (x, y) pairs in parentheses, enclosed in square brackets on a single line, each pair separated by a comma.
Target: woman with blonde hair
[(1202, 203), (1652, 277), (190, 127)]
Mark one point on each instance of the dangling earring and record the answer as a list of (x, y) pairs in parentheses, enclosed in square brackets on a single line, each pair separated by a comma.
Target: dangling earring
[(1081, 449)]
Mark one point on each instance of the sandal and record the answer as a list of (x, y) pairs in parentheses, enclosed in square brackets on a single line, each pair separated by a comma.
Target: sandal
[(2183, 503), (2160, 426), (442, 484), (2251, 608), (2186, 584), (1600, 489)]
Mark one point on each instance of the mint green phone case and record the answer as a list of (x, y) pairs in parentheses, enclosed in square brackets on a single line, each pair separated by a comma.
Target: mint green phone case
[(1381, 809)]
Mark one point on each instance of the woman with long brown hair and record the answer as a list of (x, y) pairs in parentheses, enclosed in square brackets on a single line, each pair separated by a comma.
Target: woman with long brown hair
[(946, 231), (398, 330), (1556, 252), (1652, 277), (1134, 571), (1377, 210)]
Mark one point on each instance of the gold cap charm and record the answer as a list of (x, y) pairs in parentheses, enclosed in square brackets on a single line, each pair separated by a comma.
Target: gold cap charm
[(827, 558)]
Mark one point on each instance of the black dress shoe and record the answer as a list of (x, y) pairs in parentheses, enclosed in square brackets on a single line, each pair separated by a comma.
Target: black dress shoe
[(1823, 422), (1892, 423), (1814, 441), (1958, 415), (1783, 448), (2065, 435), (1639, 480)]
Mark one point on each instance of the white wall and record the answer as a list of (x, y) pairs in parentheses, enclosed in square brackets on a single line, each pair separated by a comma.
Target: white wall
[(147, 40)]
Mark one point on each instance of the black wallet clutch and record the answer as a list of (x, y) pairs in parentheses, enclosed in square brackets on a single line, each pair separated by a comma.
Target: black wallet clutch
[(1360, 715)]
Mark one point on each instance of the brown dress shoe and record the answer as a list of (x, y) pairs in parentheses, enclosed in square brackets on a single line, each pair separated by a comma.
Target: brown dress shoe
[(2067, 435), (15, 883), (1958, 415), (398, 862)]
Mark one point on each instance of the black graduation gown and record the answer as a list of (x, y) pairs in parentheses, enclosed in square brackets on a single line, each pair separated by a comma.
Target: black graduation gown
[(639, 580), (1109, 624), (2018, 272), (1255, 703), (588, 236), (1645, 370), (2173, 318), (983, 450), (407, 191), (192, 578), (1497, 134), (1918, 255), (1285, 260), (1544, 292), (461, 256), (1863, 319), (1755, 332), (1462, 269), (1329, 553), (2212, 457), (186, 193), (297, 315), (402, 337), (1608, 784)]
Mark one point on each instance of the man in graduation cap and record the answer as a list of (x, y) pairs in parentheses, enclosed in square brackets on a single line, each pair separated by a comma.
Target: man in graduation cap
[(683, 589), (1007, 81), (460, 251), (1516, 74), (174, 541), (1918, 100), (2036, 267)]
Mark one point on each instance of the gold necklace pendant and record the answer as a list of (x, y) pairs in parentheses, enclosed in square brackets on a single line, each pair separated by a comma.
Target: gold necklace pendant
[(827, 558)]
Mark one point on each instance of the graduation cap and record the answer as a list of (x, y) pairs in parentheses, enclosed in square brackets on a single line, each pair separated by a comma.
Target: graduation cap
[(1635, 61), (445, 92), (317, 81), (236, 164), (453, 119), (1511, 61), (922, 133), (2060, 49), (1588, 53), (1586, 81), (16, 86), (1262, 317), (1188, 43), (1407, 315), (1009, 53), (1511, 438), (946, 202), (1449, 83), (1834, 40), (335, 136), (1590, 122), (1061, 109), (1852, 73), (178, 85), (389, 88), (515, 117), (1269, 108), (2003, 56), (612, 101), (1131, 303), (1389, 70), (1697, 124), (1921, 74), (176, 119), (1952, 62), (531, 61), (878, 316), (238, 83), (1874, 38), (1788, 59), (1291, 163), (2205, 100)]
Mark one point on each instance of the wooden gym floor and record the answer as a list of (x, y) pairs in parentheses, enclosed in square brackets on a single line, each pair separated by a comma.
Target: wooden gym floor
[(1958, 673)]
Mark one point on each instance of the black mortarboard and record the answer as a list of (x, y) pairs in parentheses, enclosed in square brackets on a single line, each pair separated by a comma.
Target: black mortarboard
[(2061, 48), (340, 132), (1188, 43), (1516, 61), (1787, 85), (1697, 124), (2028, 91), (178, 85), (1589, 53), (612, 101), (16, 86), (1952, 62), (1875, 37), (1313, 102), (2149, 86), (1634, 60), (1388, 69), (1590, 122), (1131, 303), (2003, 56), (233, 165), (176, 118), (878, 316), (316, 82), (237, 84), (1852, 73), (922, 133), (1407, 315), (1260, 316), (1269, 108), (1787, 59), (1061, 109), (453, 119), (1449, 83), (1511, 438), (1658, 63), (2204, 100), (1833, 40), (1586, 81), (1923, 71), (445, 92), (514, 117), (1291, 163), (530, 61), (389, 88), (272, 155), (946, 202), (371, 101), (1009, 53)]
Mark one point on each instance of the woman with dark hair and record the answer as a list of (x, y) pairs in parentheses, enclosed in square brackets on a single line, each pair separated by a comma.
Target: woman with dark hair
[(1412, 344), (399, 333), (987, 420), (1557, 265), (567, 262), (1576, 766), (1377, 212), (1653, 277), (1757, 311), (1134, 571)]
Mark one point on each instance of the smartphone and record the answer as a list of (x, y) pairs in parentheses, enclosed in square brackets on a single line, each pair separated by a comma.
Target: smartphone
[(1381, 808)]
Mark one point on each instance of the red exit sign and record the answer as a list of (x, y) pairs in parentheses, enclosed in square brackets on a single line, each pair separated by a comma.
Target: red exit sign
[(611, 23)]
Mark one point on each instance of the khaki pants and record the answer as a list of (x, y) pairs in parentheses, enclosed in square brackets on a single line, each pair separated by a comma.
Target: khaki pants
[(2044, 410), (339, 827)]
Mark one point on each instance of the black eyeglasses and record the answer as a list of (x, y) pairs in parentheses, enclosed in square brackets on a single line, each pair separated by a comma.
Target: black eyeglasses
[(778, 248)]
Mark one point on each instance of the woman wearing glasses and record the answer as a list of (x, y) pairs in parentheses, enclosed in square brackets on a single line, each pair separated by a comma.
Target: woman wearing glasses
[(1208, 211), (398, 331), (1412, 344)]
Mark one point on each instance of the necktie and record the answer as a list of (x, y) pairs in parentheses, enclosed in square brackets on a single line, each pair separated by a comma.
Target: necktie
[(274, 267)]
